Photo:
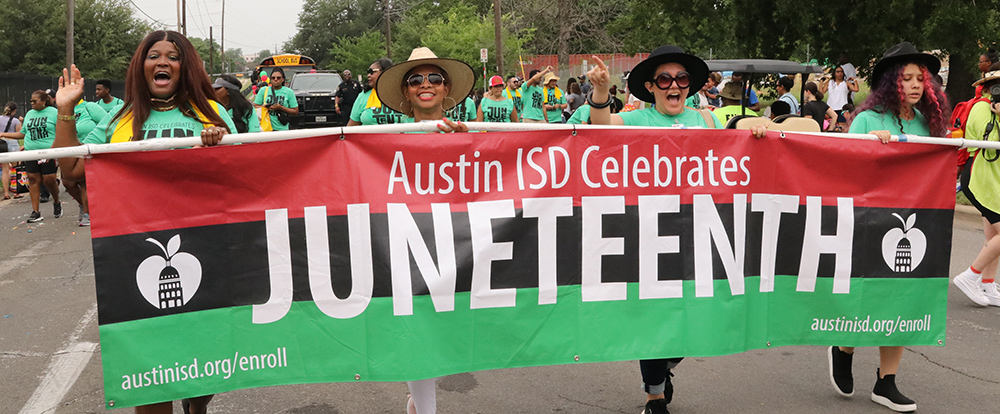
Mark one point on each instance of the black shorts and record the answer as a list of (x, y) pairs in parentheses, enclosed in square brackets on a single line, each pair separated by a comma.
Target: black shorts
[(48, 167), (990, 215)]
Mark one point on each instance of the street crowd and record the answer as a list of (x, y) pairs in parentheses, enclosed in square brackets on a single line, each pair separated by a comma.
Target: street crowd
[(167, 85)]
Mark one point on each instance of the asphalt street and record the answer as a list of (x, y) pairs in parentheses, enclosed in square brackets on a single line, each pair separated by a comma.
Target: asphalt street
[(50, 358)]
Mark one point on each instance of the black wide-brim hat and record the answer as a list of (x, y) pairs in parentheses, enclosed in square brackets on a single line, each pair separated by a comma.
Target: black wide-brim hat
[(643, 72), (900, 54)]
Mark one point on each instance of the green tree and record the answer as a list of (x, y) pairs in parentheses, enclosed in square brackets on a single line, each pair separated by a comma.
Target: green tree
[(357, 53), (323, 22)]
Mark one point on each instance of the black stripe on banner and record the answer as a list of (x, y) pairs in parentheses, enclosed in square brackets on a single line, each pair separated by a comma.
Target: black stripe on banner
[(234, 264)]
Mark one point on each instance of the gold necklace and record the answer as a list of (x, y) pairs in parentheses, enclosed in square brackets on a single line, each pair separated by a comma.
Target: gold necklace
[(169, 101)]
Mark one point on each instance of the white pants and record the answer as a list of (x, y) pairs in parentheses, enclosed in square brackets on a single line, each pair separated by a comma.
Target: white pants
[(424, 394)]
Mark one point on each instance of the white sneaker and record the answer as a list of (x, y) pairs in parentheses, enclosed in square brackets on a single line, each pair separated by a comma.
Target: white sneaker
[(969, 284), (991, 293)]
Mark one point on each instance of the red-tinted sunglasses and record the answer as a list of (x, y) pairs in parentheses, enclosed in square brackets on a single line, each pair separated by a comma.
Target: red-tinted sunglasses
[(664, 80)]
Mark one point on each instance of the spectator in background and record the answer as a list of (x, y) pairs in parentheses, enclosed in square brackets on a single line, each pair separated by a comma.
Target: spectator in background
[(38, 132), (730, 97), (10, 125), (752, 102), (513, 92), (574, 99), (616, 104), (818, 110), (837, 91), (784, 87), (277, 103), (104, 98), (988, 59), (227, 93), (714, 78), (779, 108), (347, 93), (584, 86)]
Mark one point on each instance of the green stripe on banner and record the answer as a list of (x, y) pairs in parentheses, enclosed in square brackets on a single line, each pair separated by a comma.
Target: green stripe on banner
[(219, 350)]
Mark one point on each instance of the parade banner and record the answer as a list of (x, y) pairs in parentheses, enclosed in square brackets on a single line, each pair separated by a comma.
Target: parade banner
[(393, 257)]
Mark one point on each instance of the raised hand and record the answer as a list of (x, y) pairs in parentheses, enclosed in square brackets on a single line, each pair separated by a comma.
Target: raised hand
[(599, 75), (70, 88)]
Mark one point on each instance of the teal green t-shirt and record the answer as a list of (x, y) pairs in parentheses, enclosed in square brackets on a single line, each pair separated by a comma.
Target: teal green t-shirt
[(496, 111), (870, 120), (86, 119), (107, 107), (251, 118), (283, 96), (377, 115), (515, 95), (652, 117), (555, 115), (533, 99), (167, 124), (580, 116), (39, 128), (461, 113)]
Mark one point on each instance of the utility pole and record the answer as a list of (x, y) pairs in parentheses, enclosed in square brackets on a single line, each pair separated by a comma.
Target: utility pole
[(211, 52), (388, 30), (222, 42), (184, 18), (69, 32), (178, 15), (499, 39)]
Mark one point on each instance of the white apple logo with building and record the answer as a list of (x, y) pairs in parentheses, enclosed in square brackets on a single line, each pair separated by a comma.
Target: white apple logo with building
[(171, 280), (903, 248)]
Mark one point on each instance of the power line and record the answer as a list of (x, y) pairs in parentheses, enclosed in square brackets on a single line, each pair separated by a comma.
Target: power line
[(146, 14)]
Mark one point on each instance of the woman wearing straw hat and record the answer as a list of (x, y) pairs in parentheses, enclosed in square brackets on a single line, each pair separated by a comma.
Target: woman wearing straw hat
[(424, 87), (904, 99), (495, 107), (979, 184)]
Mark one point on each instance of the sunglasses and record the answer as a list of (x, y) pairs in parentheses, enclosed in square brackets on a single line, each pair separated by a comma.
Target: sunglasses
[(435, 79), (664, 80), (372, 71)]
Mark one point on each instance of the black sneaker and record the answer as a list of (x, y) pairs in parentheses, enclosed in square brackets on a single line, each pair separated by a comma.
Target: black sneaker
[(840, 371), (35, 217), (44, 198), (887, 394), (656, 407), (57, 210)]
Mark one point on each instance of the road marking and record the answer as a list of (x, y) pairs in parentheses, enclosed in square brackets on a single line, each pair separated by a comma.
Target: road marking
[(63, 370)]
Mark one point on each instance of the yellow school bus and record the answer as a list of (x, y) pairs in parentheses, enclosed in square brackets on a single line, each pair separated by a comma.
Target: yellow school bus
[(289, 63)]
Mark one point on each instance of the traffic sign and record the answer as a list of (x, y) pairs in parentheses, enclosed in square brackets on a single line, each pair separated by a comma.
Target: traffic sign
[(482, 55)]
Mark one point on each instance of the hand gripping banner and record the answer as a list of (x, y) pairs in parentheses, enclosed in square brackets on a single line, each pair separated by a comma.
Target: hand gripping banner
[(392, 257)]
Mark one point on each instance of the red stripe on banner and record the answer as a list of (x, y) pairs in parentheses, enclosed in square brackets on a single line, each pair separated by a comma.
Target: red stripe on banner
[(158, 190)]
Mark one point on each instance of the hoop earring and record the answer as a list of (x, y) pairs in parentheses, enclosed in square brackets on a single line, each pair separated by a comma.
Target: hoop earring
[(454, 102)]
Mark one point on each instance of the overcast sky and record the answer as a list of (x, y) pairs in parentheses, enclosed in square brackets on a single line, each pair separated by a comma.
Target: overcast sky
[(251, 25)]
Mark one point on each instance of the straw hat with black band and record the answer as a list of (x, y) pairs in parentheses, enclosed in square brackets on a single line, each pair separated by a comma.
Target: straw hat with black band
[(902, 53), (988, 76), (644, 71), (459, 75)]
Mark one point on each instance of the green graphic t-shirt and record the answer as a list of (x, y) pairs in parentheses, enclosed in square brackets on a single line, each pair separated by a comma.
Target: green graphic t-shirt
[(555, 115), (375, 115), (168, 124), (462, 114), (496, 111), (533, 99), (516, 97), (107, 107), (88, 114), (39, 128), (284, 97), (652, 117)]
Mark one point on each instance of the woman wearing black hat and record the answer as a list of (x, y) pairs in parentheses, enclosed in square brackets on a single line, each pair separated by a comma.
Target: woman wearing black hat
[(904, 99), (664, 79)]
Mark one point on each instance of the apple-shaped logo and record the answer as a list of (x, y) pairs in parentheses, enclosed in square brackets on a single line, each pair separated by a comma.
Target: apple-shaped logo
[(903, 248), (171, 280)]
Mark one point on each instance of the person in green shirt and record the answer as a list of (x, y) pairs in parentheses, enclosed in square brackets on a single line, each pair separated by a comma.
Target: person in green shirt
[(227, 93), (580, 116), (513, 92), (463, 112), (277, 99), (424, 88), (495, 107), (104, 98), (174, 100), (904, 99), (368, 108), (555, 101), (533, 95), (979, 178), (38, 132)]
